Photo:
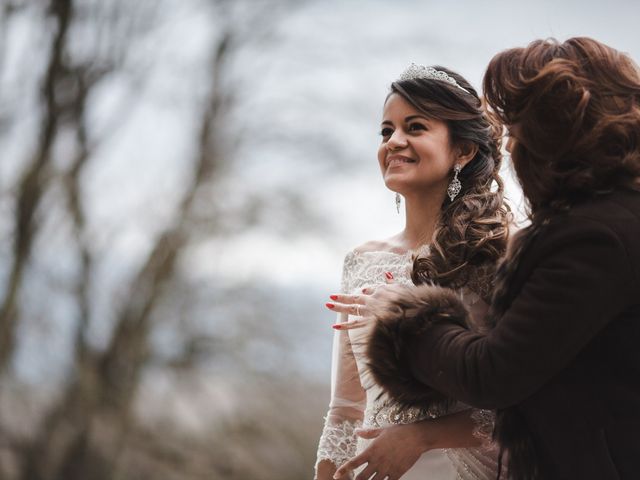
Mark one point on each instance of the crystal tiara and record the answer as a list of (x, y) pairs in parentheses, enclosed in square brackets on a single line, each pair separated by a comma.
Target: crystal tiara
[(414, 71)]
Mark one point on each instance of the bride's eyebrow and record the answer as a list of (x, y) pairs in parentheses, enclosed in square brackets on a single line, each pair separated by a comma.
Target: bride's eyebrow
[(407, 119), (412, 117)]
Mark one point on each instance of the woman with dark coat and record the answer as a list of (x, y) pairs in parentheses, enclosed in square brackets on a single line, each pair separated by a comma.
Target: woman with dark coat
[(561, 363)]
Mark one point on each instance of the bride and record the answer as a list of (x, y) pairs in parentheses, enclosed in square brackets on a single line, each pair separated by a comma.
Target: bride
[(441, 153)]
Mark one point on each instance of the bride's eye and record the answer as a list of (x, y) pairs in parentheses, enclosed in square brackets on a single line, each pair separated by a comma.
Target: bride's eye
[(416, 127), (386, 132)]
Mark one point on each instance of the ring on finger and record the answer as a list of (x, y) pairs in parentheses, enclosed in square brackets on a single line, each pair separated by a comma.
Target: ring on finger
[(357, 310)]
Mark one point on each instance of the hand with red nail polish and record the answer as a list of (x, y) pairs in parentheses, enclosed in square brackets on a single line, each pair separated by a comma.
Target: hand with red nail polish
[(358, 310)]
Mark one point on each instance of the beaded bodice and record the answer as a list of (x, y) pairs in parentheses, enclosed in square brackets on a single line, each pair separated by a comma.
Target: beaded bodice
[(368, 268)]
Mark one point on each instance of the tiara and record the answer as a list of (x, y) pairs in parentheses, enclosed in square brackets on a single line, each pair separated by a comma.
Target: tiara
[(414, 71)]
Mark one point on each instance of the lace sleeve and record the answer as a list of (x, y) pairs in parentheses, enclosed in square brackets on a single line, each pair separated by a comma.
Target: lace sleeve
[(338, 442), (348, 398)]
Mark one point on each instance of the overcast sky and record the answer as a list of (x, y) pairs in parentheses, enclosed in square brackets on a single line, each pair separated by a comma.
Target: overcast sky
[(329, 71), (351, 51)]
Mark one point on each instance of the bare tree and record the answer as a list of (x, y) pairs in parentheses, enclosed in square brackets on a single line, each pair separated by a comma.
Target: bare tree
[(89, 429)]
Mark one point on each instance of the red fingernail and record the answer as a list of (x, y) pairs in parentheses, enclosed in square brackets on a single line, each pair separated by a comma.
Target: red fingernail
[(337, 327), (364, 290), (389, 275), (333, 297), (330, 305)]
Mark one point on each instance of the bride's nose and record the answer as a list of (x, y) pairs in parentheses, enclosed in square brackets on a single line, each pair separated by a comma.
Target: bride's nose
[(397, 141)]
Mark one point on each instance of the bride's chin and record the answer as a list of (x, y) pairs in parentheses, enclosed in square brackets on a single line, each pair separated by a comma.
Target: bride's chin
[(395, 184)]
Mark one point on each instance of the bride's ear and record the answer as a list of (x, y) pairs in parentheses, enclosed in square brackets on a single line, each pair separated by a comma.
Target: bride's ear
[(465, 152)]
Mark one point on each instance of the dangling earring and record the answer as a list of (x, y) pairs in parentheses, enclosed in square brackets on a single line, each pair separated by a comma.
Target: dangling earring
[(398, 202), (455, 186)]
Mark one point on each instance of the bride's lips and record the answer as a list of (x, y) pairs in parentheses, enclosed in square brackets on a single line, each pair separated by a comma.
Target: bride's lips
[(395, 160)]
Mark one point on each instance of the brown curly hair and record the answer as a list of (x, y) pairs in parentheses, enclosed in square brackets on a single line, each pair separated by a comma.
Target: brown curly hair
[(573, 110), (472, 230)]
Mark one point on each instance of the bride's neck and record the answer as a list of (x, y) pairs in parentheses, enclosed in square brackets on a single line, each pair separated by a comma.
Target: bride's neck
[(422, 213)]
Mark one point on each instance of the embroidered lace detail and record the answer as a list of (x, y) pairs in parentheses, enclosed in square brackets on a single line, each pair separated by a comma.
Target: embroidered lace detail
[(362, 269), (338, 443), (385, 413), (367, 268), (349, 261), (474, 463), (484, 420)]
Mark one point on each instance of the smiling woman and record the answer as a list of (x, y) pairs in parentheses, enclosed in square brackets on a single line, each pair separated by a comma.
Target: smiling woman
[(426, 167), (439, 152)]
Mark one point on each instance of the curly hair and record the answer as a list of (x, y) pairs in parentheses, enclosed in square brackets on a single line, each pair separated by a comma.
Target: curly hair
[(573, 111), (472, 230)]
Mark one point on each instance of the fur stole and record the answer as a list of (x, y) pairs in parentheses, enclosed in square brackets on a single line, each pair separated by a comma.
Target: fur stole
[(408, 316)]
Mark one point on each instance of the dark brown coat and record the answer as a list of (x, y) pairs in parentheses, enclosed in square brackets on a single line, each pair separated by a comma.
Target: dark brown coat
[(562, 363)]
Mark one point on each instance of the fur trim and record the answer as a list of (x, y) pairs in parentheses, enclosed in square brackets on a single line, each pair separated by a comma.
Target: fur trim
[(410, 314)]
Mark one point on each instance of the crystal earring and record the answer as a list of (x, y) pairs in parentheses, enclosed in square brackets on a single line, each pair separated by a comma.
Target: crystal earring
[(455, 186), (398, 202)]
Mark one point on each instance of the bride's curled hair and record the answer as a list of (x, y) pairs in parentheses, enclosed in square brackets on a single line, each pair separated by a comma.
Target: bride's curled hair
[(472, 231)]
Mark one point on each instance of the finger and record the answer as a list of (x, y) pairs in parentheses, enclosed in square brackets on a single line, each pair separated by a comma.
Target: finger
[(367, 472), (388, 277), (368, 432), (368, 290), (350, 325), (394, 475), (348, 299), (352, 464), (355, 309), (358, 310), (388, 290)]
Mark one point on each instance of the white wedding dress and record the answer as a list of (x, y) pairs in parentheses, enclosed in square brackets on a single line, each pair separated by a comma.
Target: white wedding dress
[(355, 398)]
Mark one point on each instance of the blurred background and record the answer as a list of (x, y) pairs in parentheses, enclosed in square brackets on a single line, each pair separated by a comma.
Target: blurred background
[(179, 182)]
